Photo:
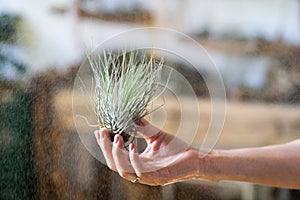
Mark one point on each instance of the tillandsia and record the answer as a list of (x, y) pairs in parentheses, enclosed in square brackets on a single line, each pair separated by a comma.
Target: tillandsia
[(125, 86)]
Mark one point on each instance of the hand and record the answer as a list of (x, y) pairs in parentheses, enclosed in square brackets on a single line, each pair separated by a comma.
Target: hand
[(166, 158)]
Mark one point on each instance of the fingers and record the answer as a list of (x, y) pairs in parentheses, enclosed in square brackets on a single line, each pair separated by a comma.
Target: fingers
[(135, 162), (127, 164), (105, 144), (134, 159), (147, 129), (146, 177), (121, 159)]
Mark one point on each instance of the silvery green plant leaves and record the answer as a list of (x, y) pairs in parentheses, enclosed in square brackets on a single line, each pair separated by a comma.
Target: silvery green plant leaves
[(125, 85)]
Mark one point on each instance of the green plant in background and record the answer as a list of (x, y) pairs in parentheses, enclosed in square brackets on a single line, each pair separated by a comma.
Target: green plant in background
[(125, 86), (8, 27), (10, 64), (17, 180)]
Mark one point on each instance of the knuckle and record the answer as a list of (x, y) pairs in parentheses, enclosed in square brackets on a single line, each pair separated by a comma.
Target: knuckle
[(116, 151), (103, 143)]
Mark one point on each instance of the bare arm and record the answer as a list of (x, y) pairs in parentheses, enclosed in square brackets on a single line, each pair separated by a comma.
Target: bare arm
[(162, 163), (276, 165)]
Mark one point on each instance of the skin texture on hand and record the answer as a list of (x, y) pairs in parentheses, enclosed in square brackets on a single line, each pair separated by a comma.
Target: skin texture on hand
[(275, 165), (168, 159)]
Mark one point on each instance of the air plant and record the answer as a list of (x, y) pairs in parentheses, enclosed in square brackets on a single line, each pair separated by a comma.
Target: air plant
[(125, 86)]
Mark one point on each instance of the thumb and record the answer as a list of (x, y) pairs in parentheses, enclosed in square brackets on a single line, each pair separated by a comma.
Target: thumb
[(147, 129)]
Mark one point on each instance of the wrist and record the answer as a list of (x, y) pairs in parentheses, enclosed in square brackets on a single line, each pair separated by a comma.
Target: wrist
[(190, 163), (210, 166), (219, 165)]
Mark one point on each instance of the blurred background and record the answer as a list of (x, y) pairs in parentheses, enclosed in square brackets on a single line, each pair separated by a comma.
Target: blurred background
[(254, 44)]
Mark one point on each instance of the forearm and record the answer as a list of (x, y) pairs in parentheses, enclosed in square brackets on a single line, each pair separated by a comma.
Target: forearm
[(277, 165)]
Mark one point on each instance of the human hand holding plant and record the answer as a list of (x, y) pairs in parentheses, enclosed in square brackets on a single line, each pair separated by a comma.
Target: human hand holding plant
[(166, 158), (125, 87)]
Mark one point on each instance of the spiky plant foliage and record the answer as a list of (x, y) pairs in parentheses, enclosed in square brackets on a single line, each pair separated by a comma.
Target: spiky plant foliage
[(125, 86)]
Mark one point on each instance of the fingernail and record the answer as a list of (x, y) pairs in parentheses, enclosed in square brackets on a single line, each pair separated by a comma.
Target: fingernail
[(131, 147), (116, 139)]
